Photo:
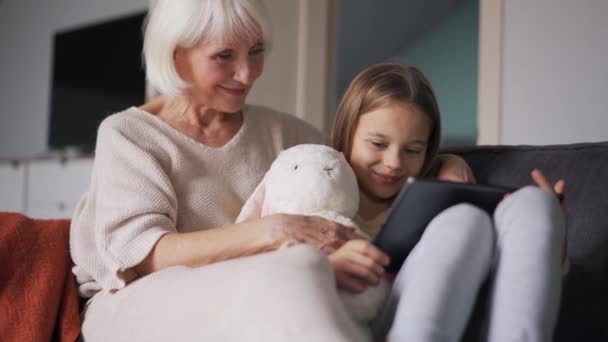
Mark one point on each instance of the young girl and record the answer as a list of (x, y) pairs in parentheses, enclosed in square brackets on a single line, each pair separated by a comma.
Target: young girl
[(388, 127)]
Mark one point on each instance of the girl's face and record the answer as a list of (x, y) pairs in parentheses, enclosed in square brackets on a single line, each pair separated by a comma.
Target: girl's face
[(388, 145), (220, 75)]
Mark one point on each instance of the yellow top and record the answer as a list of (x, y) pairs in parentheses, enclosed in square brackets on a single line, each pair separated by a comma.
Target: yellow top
[(371, 227)]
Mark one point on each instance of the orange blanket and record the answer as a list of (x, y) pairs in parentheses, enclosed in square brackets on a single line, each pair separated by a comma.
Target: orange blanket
[(38, 296)]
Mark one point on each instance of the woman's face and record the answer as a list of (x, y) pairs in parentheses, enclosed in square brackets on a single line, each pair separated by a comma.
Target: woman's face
[(220, 75), (388, 145)]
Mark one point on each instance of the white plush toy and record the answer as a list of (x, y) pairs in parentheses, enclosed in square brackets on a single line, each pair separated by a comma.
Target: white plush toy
[(315, 180)]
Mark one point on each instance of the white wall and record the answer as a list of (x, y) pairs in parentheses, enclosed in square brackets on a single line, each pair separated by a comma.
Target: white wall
[(26, 28), (294, 69), (372, 31), (554, 71)]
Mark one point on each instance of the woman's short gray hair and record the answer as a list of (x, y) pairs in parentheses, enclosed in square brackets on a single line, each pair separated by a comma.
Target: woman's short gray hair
[(173, 23)]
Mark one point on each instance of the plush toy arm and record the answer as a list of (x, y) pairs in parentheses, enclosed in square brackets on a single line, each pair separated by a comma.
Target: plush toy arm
[(252, 209)]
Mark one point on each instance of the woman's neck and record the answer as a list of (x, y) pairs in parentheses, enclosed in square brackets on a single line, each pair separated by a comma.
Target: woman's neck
[(204, 124)]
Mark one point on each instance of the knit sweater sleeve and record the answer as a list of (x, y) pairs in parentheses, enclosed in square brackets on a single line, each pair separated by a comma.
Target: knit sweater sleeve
[(135, 203)]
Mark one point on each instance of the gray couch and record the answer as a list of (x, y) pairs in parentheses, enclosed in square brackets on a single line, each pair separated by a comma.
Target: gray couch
[(584, 308)]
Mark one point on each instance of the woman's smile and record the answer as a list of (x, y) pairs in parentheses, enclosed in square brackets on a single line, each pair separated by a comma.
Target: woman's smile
[(234, 91)]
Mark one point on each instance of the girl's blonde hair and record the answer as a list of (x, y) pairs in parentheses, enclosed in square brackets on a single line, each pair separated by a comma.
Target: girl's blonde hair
[(382, 84)]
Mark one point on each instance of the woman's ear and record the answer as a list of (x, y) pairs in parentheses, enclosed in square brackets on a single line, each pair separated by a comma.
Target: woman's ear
[(181, 63), (254, 204)]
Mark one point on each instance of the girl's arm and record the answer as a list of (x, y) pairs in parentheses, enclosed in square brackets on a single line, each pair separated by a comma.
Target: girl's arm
[(454, 169)]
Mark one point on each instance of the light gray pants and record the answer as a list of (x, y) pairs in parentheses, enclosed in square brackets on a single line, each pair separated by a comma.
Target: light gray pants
[(520, 249)]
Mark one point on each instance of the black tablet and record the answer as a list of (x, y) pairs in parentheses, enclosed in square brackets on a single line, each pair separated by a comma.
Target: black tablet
[(418, 203)]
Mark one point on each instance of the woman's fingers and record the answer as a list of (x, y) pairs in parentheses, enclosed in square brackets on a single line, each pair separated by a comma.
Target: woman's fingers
[(349, 233), (324, 234), (329, 232)]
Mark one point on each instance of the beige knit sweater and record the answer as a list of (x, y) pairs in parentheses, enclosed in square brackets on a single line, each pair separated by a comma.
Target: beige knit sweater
[(149, 179)]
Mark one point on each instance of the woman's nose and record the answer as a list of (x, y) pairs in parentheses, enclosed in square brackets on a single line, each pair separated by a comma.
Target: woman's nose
[(242, 72)]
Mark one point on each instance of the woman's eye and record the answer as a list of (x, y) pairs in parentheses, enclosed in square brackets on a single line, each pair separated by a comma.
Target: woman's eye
[(224, 56), (256, 51)]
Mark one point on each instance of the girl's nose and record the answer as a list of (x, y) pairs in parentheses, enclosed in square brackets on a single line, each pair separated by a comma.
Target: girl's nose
[(392, 160)]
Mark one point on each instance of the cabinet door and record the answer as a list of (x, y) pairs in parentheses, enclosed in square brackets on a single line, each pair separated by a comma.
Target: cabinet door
[(54, 187), (12, 177)]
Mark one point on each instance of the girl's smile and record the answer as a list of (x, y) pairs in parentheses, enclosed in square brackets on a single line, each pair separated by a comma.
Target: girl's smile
[(386, 179)]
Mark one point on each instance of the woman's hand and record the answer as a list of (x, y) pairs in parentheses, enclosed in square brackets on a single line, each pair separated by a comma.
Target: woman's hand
[(358, 264), (326, 235), (455, 169)]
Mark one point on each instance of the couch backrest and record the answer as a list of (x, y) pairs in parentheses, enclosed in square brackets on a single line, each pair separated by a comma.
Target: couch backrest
[(584, 167)]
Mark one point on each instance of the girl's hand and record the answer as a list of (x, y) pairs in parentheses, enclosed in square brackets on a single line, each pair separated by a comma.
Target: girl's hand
[(455, 169), (326, 235), (358, 264), (542, 182), (558, 189)]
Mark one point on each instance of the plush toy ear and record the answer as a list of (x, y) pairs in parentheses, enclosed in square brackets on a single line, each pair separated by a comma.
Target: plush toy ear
[(255, 203)]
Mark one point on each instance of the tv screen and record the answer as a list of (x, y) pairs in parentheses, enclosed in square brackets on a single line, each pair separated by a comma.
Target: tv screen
[(97, 70)]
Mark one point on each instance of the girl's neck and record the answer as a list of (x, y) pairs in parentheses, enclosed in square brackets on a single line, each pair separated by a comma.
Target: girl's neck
[(370, 208)]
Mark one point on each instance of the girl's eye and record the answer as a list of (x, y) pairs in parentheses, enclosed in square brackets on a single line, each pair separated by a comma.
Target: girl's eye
[(412, 151), (378, 144)]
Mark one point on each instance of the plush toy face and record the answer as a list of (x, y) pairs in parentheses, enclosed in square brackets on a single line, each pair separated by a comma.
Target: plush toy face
[(307, 179)]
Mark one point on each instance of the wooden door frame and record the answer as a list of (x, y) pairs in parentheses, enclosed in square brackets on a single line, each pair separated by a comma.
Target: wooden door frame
[(489, 94)]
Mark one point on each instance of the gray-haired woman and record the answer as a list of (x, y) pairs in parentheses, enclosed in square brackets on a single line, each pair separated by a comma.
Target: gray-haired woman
[(153, 239)]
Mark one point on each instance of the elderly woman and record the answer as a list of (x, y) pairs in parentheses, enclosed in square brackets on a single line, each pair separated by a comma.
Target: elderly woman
[(154, 241), (169, 180)]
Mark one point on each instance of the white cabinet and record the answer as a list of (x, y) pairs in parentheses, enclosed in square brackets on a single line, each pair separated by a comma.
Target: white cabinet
[(54, 187), (12, 181), (45, 187)]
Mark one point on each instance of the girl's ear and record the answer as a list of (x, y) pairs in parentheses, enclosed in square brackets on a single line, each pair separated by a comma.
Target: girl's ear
[(254, 204)]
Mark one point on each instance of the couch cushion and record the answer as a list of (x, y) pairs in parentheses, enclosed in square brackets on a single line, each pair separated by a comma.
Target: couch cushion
[(584, 167)]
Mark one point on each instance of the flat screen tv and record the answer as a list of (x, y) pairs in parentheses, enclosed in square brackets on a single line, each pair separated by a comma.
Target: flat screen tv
[(97, 70)]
